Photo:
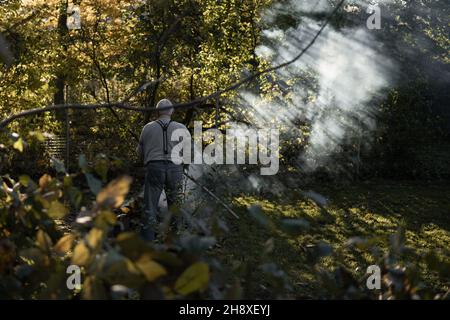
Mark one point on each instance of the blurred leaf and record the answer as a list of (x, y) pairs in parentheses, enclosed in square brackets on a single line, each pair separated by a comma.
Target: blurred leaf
[(81, 254), (44, 180), (18, 145), (397, 242), (319, 199), (101, 168), (84, 220), (75, 196), (125, 210), (269, 245), (114, 193), (151, 269), (119, 292), (168, 258), (294, 226), (357, 242), (94, 238), (93, 289), (37, 135), (324, 249), (273, 270), (58, 165), (67, 181), (195, 278), (94, 184), (64, 244), (235, 292), (57, 210), (319, 250), (197, 244), (82, 163), (56, 287), (35, 255), (257, 214), (131, 245), (105, 219), (22, 271), (43, 241), (24, 180), (118, 269)]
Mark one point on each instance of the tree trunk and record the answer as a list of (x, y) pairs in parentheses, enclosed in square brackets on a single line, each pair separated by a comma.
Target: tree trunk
[(60, 81)]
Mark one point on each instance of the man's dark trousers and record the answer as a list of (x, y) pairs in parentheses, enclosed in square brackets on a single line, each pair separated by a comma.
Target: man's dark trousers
[(163, 174)]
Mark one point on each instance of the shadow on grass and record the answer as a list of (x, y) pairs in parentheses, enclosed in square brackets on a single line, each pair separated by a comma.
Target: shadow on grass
[(365, 210)]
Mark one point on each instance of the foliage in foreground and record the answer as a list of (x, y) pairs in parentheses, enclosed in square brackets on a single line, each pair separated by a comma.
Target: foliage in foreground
[(115, 262), (36, 250)]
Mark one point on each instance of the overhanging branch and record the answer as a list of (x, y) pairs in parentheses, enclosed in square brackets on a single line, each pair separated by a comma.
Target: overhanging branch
[(186, 105)]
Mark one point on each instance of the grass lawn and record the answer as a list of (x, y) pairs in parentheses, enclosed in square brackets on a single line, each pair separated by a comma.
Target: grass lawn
[(371, 211)]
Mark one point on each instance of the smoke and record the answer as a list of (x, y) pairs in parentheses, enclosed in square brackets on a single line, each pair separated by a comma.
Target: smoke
[(331, 87)]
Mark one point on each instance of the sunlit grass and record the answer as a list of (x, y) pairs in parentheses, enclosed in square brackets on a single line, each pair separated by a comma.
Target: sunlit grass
[(368, 211)]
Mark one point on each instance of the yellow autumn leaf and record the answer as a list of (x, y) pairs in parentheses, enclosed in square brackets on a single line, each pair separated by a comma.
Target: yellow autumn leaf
[(44, 180), (18, 145), (43, 241), (150, 268), (56, 210), (81, 255), (94, 238), (64, 244), (114, 193), (195, 278)]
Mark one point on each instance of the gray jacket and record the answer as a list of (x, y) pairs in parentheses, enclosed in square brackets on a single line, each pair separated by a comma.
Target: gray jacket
[(151, 142)]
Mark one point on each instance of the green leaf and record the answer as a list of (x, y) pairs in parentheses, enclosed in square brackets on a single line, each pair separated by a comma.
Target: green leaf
[(57, 210), (38, 135), (82, 163), (58, 165), (94, 184), (101, 168), (67, 181), (75, 196), (18, 145), (195, 278), (24, 180)]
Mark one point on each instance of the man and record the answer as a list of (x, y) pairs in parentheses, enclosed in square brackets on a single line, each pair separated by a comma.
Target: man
[(155, 148)]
